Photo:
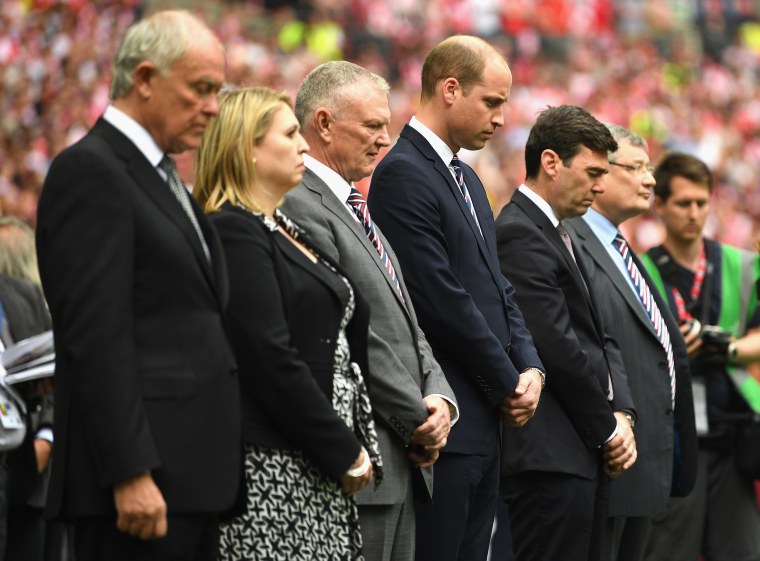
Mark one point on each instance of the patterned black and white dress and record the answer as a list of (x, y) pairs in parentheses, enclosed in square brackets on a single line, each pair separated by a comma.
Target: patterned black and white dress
[(294, 511)]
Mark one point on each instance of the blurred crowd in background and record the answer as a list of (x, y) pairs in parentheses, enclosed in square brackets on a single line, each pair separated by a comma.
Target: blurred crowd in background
[(685, 74)]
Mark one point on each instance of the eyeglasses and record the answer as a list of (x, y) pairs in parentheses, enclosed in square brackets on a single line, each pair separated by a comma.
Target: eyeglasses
[(637, 169)]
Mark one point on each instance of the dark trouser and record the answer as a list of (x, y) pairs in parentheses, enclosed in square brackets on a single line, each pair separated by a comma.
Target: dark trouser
[(457, 526), (557, 516), (190, 538), (627, 538)]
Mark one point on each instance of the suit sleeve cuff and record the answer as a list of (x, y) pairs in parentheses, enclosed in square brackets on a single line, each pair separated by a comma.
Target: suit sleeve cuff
[(453, 407)]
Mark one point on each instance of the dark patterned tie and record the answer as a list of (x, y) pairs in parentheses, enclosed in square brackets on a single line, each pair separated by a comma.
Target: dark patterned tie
[(565, 235), (180, 192), (359, 205), (650, 306), (456, 165)]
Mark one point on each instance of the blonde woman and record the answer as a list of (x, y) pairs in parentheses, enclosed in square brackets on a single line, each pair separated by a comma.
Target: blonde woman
[(299, 331)]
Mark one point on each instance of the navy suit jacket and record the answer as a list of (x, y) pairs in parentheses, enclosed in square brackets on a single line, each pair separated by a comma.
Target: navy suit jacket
[(464, 304), (574, 418)]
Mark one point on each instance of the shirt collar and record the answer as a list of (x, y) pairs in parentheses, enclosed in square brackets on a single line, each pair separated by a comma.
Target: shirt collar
[(601, 226), (540, 203), (332, 179), (438, 145), (135, 132)]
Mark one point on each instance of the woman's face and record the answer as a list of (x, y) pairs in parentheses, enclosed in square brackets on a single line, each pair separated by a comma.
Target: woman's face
[(279, 155)]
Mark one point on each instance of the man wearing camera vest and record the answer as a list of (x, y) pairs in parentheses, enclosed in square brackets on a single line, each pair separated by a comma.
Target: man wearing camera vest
[(712, 290)]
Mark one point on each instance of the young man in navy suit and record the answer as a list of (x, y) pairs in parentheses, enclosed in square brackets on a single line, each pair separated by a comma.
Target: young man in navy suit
[(147, 422), (434, 210)]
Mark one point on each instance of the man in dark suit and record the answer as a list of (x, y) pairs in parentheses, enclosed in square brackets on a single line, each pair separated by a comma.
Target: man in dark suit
[(434, 210), (147, 420), (343, 110), (652, 347), (555, 468)]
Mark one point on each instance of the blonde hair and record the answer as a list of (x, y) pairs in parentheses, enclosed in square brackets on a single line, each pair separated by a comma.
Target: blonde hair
[(225, 169), (18, 257)]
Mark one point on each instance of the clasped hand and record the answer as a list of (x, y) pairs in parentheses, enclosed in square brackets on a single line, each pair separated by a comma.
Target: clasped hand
[(518, 408), (432, 435), (620, 452)]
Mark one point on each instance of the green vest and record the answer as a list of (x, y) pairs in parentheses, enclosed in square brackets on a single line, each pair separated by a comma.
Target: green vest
[(739, 268)]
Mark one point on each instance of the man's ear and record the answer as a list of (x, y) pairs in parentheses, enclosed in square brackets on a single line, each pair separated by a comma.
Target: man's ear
[(143, 75), (324, 124), (550, 162), (451, 90)]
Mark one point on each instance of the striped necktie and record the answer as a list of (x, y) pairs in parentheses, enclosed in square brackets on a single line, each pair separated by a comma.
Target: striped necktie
[(650, 306), (359, 205), (456, 165)]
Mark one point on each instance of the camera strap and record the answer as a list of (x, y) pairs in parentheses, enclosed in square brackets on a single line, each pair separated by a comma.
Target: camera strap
[(701, 287)]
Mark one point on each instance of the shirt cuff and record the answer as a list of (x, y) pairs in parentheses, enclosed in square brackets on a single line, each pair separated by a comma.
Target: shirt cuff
[(453, 408), (45, 433)]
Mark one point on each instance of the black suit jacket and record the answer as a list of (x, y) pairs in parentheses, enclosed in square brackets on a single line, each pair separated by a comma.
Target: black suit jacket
[(644, 489), (464, 305), (284, 333), (574, 417), (145, 377)]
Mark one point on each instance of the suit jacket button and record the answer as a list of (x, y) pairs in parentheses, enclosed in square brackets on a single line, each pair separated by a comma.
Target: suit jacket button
[(663, 364), (669, 412)]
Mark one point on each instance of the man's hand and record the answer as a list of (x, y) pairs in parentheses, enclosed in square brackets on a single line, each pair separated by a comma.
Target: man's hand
[(352, 485), (518, 408), (620, 452), (42, 451), (140, 508), (423, 457), (690, 333), (433, 433)]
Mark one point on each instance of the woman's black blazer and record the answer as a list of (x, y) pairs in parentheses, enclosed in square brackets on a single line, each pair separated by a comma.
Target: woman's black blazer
[(283, 332)]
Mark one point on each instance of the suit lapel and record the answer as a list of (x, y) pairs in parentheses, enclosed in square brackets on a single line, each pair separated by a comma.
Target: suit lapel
[(312, 182), (148, 179), (543, 222), (477, 194), (594, 248)]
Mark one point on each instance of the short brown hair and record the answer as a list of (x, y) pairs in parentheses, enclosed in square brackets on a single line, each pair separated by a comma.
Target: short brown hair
[(462, 57), (677, 164)]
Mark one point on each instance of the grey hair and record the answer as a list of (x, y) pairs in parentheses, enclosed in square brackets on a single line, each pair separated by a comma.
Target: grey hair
[(162, 39), (621, 133), (327, 85)]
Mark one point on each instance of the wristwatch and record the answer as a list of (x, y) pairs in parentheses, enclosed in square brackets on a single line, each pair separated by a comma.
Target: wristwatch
[(630, 417), (540, 373)]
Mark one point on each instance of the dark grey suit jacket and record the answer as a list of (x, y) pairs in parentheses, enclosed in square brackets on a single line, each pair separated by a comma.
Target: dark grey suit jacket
[(644, 489), (402, 369)]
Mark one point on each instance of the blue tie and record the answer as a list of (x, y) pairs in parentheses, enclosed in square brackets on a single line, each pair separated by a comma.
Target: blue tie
[(650, 306), (459, 175)]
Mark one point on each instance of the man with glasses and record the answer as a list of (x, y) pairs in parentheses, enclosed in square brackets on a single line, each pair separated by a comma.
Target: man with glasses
[(652, 347), (556, 468)]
